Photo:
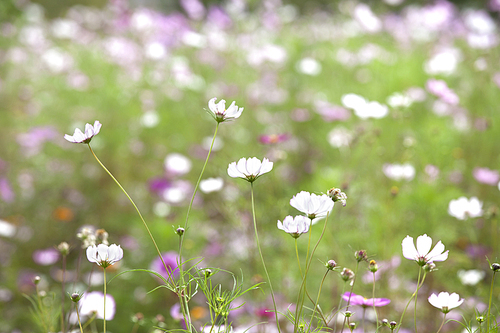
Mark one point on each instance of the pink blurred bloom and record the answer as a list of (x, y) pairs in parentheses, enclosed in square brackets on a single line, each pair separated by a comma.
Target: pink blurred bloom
[(6, 192), (170, 259), (486, 176), (440, 89), (273, 138), (46, 257), (364, 302)]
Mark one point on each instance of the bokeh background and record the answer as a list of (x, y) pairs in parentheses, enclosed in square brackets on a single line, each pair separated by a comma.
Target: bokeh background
[(395, 102)]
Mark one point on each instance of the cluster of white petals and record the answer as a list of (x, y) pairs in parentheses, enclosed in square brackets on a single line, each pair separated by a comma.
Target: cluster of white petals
[(422, 254), (220, 113), (249, 169), (313, 205), (295, 226), (104, 255), (463, 208), (445, 301), (80, 137)]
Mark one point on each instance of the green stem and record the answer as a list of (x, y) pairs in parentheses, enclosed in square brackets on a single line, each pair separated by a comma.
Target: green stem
[(63, 329), (104, 312), (419, 284), (317, 298), (41, 307), (489, 302), (442, 323), (262, 258), (298, 258), (133, 204), (373, 296), (78, 316), (300, 295), (338, 308)]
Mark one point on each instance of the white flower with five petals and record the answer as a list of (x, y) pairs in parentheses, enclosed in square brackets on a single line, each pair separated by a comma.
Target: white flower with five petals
[(445, 301), (80, 137), (220, 113), (249, 169), (313, 205), (104, 255), (295, 226), (422, 254)]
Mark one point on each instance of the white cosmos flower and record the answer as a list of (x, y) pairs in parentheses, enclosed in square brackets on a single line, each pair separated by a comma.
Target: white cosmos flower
[(93, 303), (422, 254), (104, 255), (313, 205), (445, 301), (249, 169), (463, 208), (295, 226), (470, 277), (220, 113), (80, 137)]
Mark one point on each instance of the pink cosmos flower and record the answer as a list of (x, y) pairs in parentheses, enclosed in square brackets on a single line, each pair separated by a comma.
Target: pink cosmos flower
[(80, 137), (486, 176), (422, 254), (364, 302)]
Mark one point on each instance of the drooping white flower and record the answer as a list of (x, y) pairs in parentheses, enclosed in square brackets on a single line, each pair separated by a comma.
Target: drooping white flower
[(445, 301), (104, 255), (422, 254), (220, 113), (463, 208), (249, 169), (313, 205), (295, 226), (80, 137)]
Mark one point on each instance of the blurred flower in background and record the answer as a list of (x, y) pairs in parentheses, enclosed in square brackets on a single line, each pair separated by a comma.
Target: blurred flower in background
[(463, 208)]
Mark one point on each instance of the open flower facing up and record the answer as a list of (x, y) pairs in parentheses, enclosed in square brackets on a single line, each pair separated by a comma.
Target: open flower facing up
[(80, 137), (365, 302), (249, 169), (313, 205), (422, 254), (445, 301), (295, 226), (104, 255), (220, 113), (463, 208)]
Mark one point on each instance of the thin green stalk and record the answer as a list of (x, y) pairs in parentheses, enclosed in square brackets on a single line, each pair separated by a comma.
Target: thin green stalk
[(301, 295), (133, 204), (489, 302), (442, 323), (317, 298), (416, 298), (78, 316), (363, 320), (262, 258), (41, 307), (373, 296), (298, 258), (411, 298), (63, 329), (338, 308), (104, 312)]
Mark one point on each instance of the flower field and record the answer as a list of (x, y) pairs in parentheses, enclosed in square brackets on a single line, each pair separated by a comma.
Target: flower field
[(250, 167)]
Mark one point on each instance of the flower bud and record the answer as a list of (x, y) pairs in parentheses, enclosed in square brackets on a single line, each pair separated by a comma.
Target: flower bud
[(480, 319), (63, 248), (360, 255), (385, 322), (180, 231), (137, 317), (347, 274), (75, 297), (392, 325), (208, 272), (337, 195), (352, 326), (495, 267), (372, 266), (430, 267), (331, 264), (37, 279), (348, 314)]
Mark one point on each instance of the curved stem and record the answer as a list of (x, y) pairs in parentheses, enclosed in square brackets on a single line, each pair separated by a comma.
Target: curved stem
[(78, 316), (317, 298), (419, 284), (350, 294), (262, 258), (442, 323), (63, 329)]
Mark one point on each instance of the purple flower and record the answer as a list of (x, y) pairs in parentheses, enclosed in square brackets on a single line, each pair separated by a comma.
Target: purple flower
[(46, 257), (365, 302), (170, 259), (273, 138), (486, 176), (6, 192), (440, 89)]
